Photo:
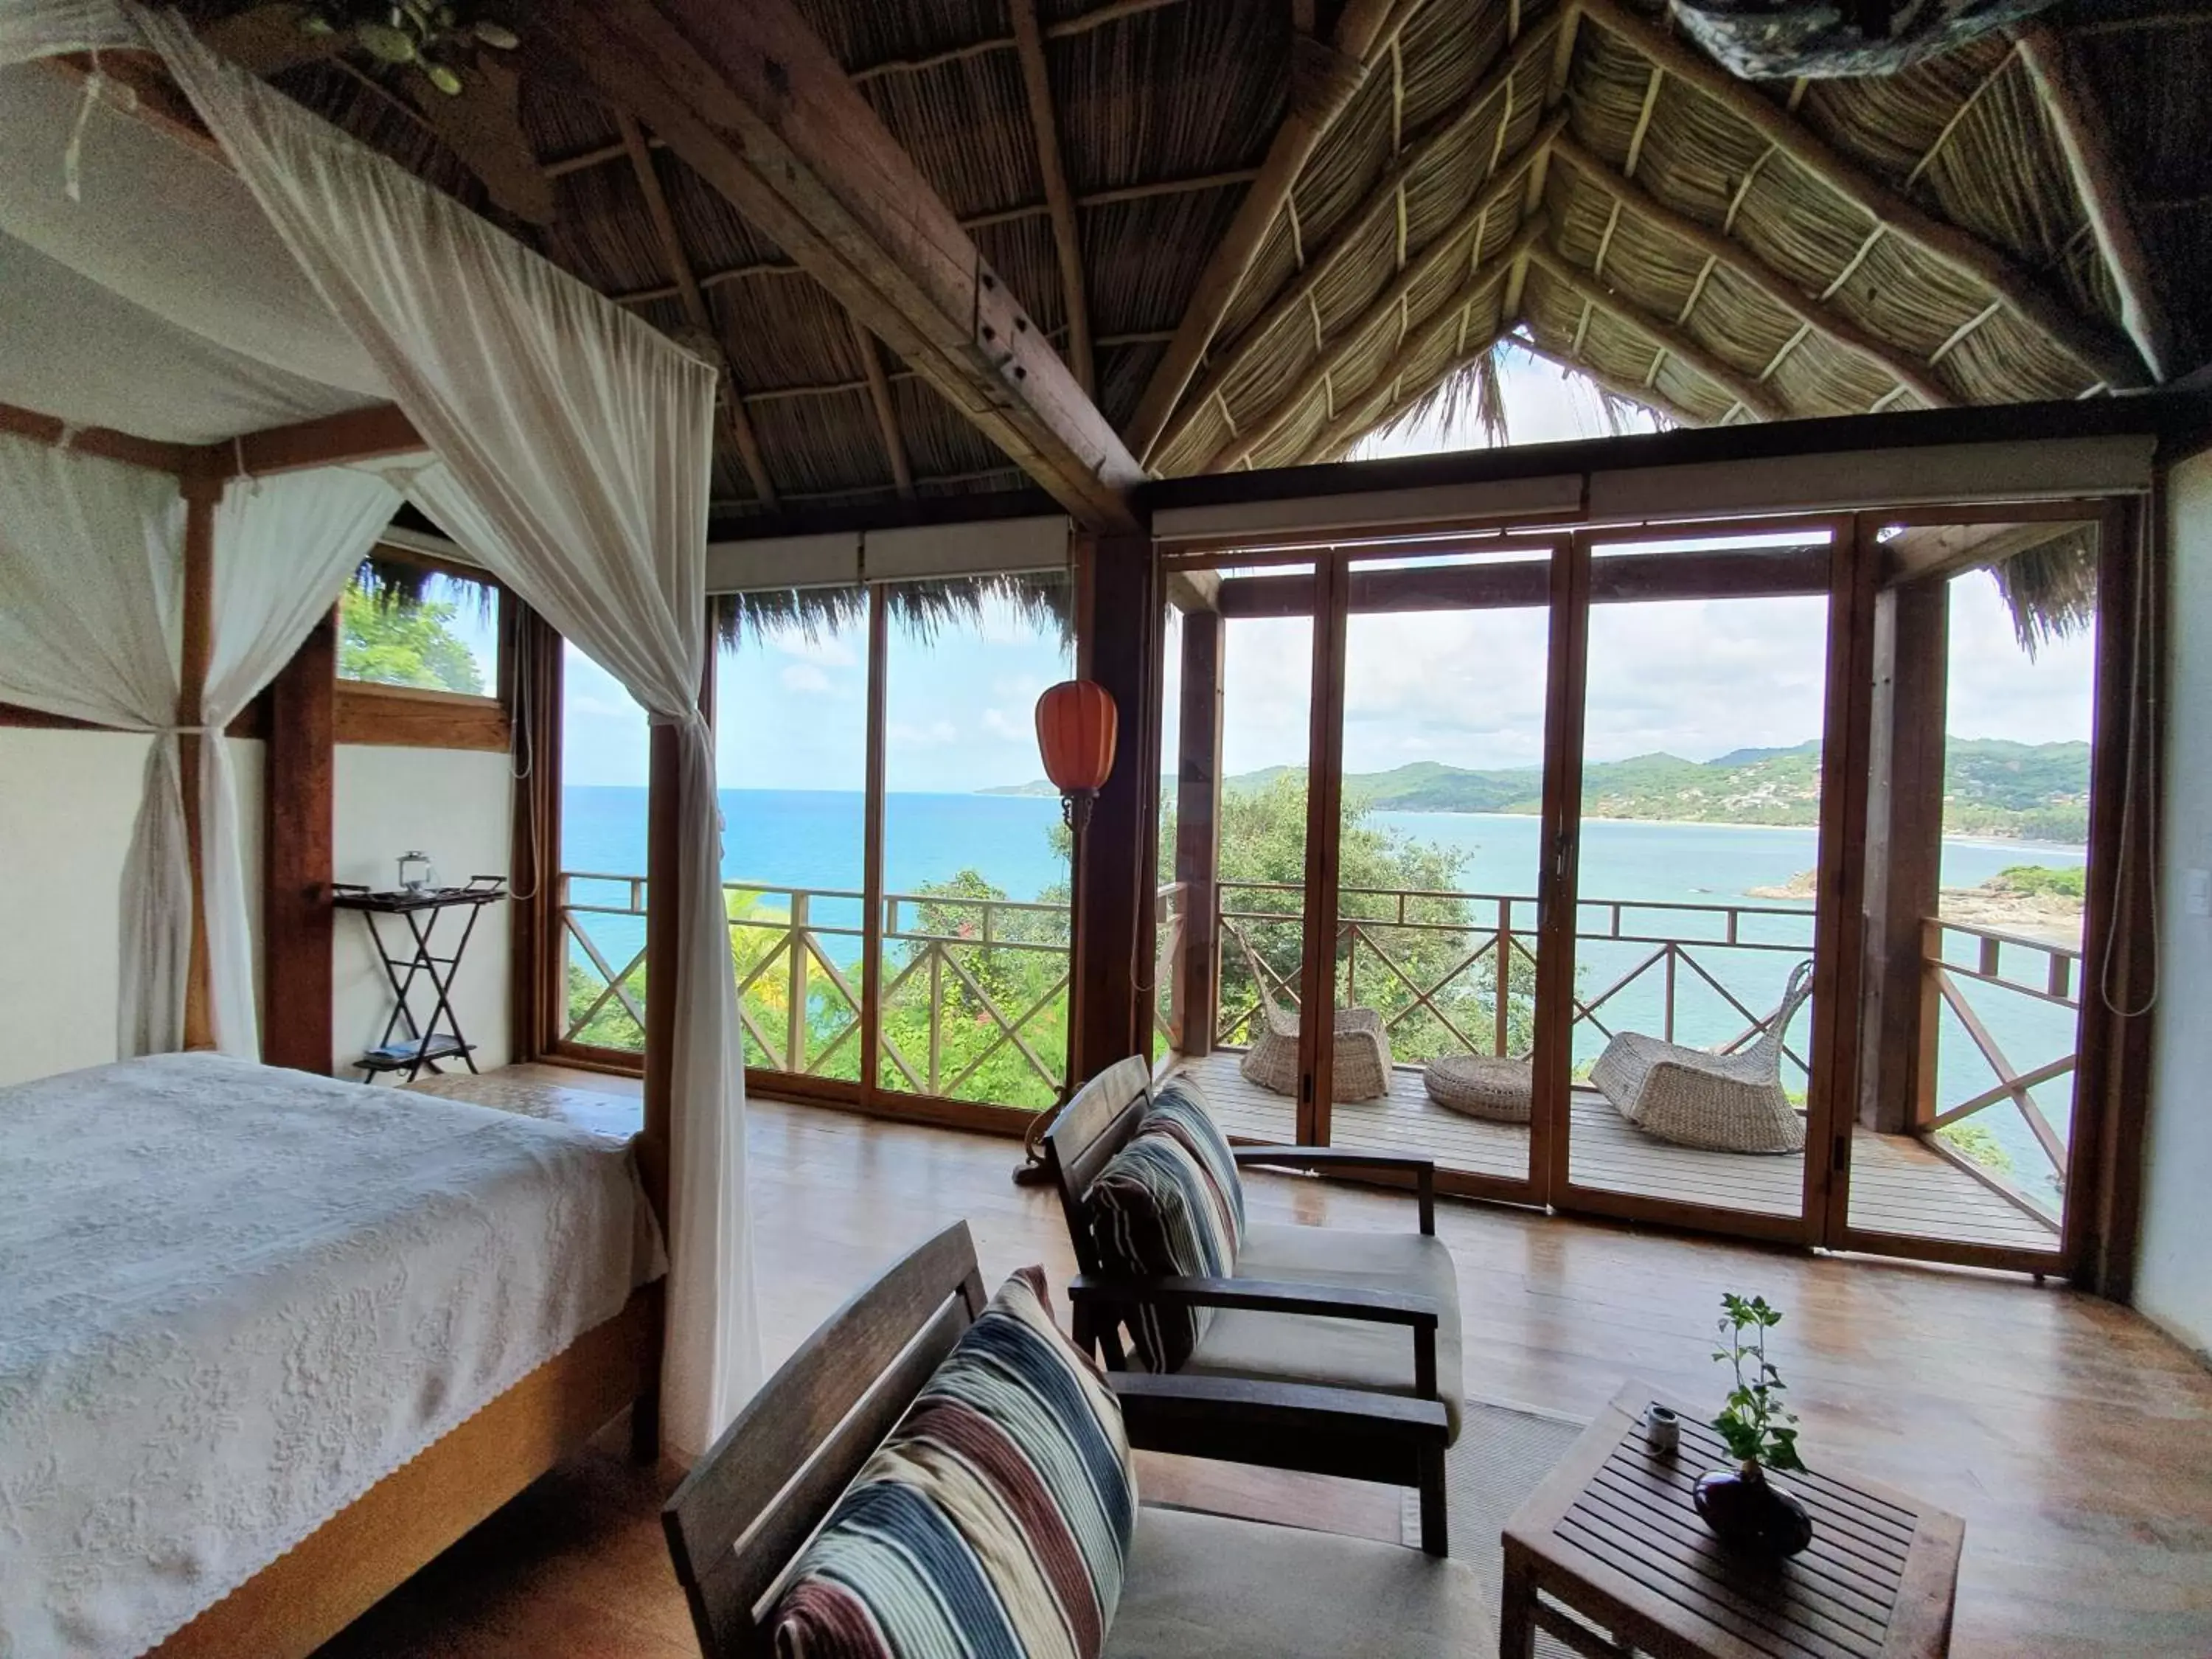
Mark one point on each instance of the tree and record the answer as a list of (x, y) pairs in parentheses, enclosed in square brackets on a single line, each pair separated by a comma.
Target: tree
[(393, 641), (1409, 943)]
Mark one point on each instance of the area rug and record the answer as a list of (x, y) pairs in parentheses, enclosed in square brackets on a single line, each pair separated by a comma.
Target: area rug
[(1502, 1454)]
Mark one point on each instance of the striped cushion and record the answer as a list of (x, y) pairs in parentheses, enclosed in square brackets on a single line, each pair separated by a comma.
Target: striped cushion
[(1169, 1204), (993, 1522)]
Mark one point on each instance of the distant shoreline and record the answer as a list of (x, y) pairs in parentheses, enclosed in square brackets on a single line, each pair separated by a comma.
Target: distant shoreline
[(1980, 838)]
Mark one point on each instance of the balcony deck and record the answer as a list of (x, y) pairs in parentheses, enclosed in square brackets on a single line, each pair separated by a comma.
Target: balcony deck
[(1897, 1185)]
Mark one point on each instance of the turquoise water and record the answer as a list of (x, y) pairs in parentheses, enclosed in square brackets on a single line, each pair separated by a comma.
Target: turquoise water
[(809, 838)]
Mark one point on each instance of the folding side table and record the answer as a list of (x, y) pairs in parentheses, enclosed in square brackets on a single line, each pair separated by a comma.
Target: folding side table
[(439, 1037)]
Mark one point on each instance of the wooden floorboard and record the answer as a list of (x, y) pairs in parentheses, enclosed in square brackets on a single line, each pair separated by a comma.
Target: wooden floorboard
[(2074, 1438), (1898, 1186)]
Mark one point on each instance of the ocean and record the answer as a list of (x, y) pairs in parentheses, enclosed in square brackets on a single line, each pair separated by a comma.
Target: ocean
[(813, 839)]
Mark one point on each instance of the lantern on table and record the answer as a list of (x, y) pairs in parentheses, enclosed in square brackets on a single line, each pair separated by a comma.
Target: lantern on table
[(1076, 723)]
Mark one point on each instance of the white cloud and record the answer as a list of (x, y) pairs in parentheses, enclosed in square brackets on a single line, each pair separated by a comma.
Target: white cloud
[(806, 679), (828, 649), (1012, 725)]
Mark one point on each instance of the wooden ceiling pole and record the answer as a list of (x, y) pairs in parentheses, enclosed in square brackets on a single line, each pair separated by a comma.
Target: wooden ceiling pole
[(1748, 268), (731, 406), (2085, 142), (753, 103), (1449, 248), (1758, 398), (879, 394), (1298, 295), (2111, 358), (1066, 233), (1324, 79)]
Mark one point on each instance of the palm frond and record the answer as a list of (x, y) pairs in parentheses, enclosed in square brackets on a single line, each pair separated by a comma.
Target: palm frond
[(2051, 589), (921, 609)]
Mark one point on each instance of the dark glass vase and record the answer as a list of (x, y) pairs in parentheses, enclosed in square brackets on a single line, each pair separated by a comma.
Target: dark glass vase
[(1751, 1515)]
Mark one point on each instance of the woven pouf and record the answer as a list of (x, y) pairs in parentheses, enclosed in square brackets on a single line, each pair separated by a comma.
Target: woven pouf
[(1480, 1086)]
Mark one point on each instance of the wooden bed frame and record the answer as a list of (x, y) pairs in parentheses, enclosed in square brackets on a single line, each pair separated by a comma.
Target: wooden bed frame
[(368, 1548)]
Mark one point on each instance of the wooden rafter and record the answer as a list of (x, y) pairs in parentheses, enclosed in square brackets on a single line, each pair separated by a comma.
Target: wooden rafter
[(1754, 273), (2084, 139), (1449, 247), (2110, 358), (731, 406), (1299, 292), (753, 102), (1689, 352), (879, 394), (1066, 234), (1325, 77)]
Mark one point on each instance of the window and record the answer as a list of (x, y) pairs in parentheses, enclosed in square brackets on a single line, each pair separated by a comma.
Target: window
[(401, 624)]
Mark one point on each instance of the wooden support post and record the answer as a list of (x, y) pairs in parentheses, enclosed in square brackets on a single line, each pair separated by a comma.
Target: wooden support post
[(202, 488), (665, 903), (1324, 849), (298, 811), (531, 687), (1198, 826), (2119, 938), (1109, 1019), (1904, 849), (1066, 234)]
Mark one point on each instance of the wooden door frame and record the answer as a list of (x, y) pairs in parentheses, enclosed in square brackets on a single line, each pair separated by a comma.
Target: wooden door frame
[(1835, 929)]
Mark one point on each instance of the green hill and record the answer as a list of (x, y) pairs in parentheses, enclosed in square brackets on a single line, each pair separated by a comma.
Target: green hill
[(2038, 792)]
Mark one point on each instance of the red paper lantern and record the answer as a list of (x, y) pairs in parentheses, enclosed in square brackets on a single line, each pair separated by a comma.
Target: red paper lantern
[(1076, 726)]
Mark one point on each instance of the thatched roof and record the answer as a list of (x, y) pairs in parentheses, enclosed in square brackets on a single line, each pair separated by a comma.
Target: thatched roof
[(1715, 249)]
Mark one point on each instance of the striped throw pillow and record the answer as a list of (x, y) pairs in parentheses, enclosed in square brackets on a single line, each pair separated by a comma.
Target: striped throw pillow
[(1169, 1204), (993, 1522)]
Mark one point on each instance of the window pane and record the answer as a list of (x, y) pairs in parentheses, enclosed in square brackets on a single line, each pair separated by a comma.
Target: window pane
[(604, 770), (444, 638)]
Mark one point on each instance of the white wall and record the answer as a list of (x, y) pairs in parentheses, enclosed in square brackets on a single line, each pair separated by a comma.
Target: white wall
[(67, 801), (2174, 1262), (457, 805)]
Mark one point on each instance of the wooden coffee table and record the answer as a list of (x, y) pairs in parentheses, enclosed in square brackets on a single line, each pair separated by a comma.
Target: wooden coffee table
[(1612, 1535)]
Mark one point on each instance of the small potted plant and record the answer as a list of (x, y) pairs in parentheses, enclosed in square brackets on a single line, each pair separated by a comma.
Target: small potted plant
[(1747, 1511)]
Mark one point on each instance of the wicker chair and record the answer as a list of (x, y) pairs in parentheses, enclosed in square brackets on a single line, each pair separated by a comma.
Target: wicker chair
[(1722, 1103), (1362, 1071)]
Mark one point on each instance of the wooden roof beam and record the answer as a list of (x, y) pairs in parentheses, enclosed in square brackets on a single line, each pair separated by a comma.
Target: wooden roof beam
[(1296, 294), (753, 102), (1324, 79), (730, 406), (2111, 358), (1503, 194), (879, 394), (1759, 399), (2085, 142), (1747, 267), (1067, 234)]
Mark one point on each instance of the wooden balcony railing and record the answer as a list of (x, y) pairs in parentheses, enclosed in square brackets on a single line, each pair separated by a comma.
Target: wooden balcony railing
[(975, 989), (2016, 966), (1456, 970)]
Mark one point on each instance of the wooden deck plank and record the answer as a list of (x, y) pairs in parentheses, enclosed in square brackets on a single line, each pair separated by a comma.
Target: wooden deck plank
[(1898, 1186)]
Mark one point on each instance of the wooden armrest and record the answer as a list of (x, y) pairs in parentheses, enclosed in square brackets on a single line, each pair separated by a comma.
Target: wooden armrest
[(1260, 1295), (1424, 1169), (1148, 1399), (1346, 1432)]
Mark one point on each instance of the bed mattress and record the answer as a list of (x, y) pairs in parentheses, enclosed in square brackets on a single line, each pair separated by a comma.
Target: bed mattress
[(232, 1298)]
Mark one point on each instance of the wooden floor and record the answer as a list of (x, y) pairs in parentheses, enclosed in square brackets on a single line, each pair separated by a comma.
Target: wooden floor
[(2074, 1439), (1898, 1186)]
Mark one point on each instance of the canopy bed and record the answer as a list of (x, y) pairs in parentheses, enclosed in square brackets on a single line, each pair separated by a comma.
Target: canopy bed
[(224, 366)]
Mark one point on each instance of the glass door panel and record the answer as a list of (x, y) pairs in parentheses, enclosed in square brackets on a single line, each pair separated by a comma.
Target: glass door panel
[(606, 757), (1982, 716), (1440, 858), (1243, 679), (1697, 850), (791, 722), (974, 964)]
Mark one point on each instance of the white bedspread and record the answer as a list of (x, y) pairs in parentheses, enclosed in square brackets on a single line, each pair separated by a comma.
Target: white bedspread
[(232, 1298)]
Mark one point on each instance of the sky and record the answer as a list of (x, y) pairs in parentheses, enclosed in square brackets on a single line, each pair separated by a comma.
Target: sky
[(1692, 678)]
